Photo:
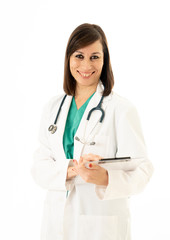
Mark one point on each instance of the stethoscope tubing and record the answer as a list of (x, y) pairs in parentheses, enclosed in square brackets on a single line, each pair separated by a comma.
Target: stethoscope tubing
[(59, 110), (52, 128), (98, 107)]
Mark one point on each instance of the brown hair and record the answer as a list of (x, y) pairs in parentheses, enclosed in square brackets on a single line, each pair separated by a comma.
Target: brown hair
[(83, 36)]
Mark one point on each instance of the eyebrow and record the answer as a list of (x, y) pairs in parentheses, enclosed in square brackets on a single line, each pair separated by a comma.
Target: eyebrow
[(92, 53)]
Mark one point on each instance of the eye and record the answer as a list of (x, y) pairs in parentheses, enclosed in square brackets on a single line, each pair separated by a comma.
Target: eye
[(94, 57), (79, 56)]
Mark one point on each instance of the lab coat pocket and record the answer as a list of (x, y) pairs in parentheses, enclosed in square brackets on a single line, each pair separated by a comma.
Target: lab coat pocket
[(97, 227), (51, 226)]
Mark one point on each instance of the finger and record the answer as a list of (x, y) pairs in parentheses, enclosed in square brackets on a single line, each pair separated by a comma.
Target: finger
[(81, 160), (93, 166), (91, 157), (75, 170), (75, 162), (94, 156)]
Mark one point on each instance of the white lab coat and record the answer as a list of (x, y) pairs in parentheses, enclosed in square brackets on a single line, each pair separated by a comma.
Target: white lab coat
[(91, 212)]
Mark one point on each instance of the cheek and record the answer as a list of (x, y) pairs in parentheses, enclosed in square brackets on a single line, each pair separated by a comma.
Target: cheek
[(99, 66), (73, 64), (73, 67)]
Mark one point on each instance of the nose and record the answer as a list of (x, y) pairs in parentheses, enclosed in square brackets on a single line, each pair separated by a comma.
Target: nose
[(86, 65)]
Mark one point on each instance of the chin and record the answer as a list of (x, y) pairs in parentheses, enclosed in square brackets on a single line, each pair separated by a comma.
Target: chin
[(87, 82)]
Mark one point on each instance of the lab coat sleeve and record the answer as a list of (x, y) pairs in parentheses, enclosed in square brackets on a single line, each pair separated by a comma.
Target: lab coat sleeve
[(47, 171), (130, 142)]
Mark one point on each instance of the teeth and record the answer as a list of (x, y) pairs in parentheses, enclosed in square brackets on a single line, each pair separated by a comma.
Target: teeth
[(85, 75)]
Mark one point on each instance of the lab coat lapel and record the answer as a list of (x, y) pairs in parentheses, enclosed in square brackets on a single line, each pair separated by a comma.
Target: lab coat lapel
[(63, 115), (57, 138), (87, 128)]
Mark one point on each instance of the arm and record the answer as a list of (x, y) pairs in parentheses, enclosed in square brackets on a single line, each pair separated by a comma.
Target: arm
[(130, 142), (47, 171)]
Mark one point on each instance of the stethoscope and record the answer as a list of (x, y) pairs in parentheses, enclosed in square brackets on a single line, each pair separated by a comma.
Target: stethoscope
[(53, 127)]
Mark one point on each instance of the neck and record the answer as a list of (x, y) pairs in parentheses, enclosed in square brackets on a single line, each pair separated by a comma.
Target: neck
[(84, 91)]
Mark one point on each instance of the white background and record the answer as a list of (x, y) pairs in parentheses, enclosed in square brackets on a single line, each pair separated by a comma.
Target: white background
[(33, 39)]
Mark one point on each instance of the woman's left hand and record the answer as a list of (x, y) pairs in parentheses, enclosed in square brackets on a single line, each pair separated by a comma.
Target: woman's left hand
[(94, 174)]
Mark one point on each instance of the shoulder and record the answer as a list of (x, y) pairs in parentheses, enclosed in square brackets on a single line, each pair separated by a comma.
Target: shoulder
[(124, 110), (53, 103), (121, 104)]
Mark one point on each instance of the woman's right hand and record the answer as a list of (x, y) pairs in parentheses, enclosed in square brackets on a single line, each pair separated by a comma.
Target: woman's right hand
[(89, 158), (70, 173)]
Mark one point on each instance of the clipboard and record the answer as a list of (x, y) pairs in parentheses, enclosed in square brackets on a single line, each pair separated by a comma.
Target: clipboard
[(113, 160), (109, 160)]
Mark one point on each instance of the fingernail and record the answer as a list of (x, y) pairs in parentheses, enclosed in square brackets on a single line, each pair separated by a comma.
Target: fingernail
[(73, 160), (90, 165)]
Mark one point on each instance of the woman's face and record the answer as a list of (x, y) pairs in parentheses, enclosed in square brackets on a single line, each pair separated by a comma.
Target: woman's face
[(86, 64)]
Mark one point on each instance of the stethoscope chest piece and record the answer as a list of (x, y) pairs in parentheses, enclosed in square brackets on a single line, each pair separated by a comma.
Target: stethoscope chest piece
[(52, 128)]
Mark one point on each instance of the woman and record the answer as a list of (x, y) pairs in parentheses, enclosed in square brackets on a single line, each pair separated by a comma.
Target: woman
[(86, 200)]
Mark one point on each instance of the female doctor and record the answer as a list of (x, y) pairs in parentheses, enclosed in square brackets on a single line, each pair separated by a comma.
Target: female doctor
[(87, 200)]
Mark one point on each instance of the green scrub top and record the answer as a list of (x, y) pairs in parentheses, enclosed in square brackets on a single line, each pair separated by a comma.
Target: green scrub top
[(73, 120)]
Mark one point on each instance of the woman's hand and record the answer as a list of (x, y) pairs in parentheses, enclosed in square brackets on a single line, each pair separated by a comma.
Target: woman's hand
[(70, 173), (95, 174)]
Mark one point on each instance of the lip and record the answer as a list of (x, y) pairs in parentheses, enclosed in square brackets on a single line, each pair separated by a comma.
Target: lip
[(85, 74)]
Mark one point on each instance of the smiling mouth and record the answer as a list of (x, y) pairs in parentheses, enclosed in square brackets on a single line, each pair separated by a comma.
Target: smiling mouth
[(85, 75)]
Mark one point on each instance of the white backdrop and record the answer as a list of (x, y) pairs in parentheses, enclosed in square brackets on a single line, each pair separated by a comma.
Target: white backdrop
[(33, 38)]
